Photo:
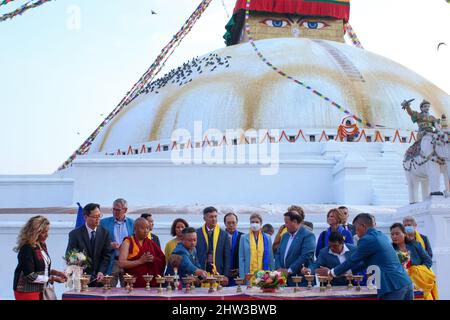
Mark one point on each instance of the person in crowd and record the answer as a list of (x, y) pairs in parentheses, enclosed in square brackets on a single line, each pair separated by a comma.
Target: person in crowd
[(94, 240), (334, 219), (184, 257), (268, 229), (411, 230), (234, 236), (119, 227), (151, 224), (140, 256), (33, 270), (282, 230), (355, 236), (213, 245), (255, 249), (374, 248), (418, 262), (176, 230), (345, 224), (296, 248), (333, 255)]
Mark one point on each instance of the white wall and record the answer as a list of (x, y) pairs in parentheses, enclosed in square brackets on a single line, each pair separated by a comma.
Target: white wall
[(33, 191)]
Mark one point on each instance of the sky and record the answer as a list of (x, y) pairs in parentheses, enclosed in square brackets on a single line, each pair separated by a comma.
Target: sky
[(64, 66)]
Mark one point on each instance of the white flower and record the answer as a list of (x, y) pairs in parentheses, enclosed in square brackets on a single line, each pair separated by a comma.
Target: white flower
[(81, 256)]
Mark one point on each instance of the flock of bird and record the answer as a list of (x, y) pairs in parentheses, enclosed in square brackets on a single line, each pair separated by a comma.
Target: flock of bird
[(183, 74)]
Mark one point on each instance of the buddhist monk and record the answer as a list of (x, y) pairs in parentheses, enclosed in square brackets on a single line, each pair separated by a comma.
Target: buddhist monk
[(139, 255)]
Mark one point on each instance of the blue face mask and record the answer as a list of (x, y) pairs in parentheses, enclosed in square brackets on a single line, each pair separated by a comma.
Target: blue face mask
[(409, 229)]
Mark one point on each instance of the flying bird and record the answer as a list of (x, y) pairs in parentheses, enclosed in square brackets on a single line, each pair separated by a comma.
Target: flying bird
[(440, 44), (153, 12)]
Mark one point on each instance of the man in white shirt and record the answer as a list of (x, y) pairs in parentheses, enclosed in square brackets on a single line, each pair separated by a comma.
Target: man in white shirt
[(334, 254)]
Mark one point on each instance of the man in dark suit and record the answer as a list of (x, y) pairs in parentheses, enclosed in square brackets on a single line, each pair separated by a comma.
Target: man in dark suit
[(234, 236), (333, 255), (94, 240), (345, 224), (213, 245), (411, 230), (375, 249), (296, 247)]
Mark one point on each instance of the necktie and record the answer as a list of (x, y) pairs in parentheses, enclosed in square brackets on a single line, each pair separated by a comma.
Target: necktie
[(92, 241), (210, 241)]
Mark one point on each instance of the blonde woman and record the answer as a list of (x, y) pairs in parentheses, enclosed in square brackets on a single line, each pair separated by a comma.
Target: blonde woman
[(255, 249), (335, 217), (34, 271)]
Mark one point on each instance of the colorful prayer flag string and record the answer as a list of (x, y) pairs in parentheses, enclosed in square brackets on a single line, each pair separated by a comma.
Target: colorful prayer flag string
[(280, 72), (27, 6), (352, 35), (145, 79)]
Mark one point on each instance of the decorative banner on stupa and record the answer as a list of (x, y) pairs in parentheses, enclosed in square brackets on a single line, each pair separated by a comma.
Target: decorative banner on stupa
[(27, 6), (339, 9)]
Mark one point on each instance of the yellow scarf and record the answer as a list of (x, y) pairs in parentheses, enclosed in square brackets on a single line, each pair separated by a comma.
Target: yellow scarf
[(150, 235), (420, 240), (215, 240), (256, 252), (424, 278), (284, 231)]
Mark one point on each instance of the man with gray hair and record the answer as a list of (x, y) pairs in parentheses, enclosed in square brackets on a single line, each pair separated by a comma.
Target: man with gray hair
[(119, 227), (374, 248), (411, 231)]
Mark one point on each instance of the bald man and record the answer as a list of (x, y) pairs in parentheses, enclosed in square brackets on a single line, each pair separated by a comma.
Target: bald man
[(139, 255)]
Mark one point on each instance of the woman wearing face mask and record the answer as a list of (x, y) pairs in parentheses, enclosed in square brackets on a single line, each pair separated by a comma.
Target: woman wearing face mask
[(255, 249), (419, 264)]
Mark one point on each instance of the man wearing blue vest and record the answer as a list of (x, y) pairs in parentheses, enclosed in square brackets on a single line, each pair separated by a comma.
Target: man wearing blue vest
[(374, 248), (119, 227)]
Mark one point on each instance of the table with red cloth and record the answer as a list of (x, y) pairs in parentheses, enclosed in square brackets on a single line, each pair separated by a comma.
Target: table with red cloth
[(227, 293)]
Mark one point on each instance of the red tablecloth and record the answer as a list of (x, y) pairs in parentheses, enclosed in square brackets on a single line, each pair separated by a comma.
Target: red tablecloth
[(227, 293)]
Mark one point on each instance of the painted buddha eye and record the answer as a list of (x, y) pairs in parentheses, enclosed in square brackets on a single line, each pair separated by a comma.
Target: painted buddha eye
[(276, 23), (314, 24)]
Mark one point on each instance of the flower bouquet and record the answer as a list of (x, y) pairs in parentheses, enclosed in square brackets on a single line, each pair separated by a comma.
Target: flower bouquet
[(76, 262), (404, 259), (269, 281)]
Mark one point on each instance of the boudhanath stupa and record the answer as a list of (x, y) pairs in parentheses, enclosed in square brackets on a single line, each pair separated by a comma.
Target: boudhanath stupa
[(287, 113)]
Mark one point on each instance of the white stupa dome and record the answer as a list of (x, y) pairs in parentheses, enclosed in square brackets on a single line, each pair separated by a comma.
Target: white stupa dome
[(232, 88)]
